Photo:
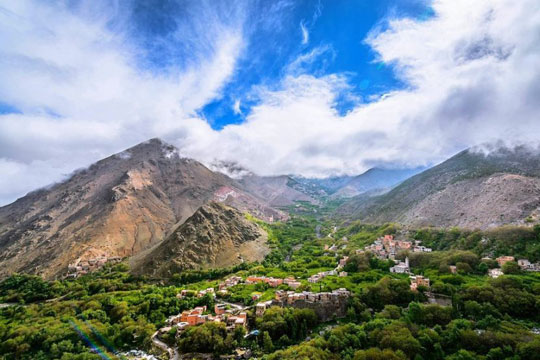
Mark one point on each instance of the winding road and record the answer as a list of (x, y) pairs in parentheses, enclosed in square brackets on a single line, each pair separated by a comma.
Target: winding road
[(173, 352)]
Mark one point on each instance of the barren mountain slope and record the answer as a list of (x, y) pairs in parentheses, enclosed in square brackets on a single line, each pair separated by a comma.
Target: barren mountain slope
[(214, 236), (375, 179), (276, 190), (470, 190), (117, 207)]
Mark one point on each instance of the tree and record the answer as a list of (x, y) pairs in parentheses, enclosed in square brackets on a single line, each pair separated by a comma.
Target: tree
[(378, 354), (511, 267), (463, 268), (208, 337), (268, 346)]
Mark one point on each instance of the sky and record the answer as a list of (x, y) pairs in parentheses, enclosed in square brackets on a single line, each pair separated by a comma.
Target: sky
[(314, 88)]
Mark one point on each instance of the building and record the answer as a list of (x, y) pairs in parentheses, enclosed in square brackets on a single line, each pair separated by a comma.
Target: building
[(343, 274), (82, 267), (219, 309), (272, 282), (495, 273), (232, 281), (418, 280), (261, 307), (501, 260), (325, 304), (453, 269), (524, 264), (343, 261), (401, 267), (421, 249), (236, 321), (292, 283)]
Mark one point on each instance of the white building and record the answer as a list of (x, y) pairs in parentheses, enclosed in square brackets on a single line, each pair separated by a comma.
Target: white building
[(495, 273), (401, 268)]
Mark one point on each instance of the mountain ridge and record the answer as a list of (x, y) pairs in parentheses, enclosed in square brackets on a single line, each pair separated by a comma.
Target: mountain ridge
[(471, 189)]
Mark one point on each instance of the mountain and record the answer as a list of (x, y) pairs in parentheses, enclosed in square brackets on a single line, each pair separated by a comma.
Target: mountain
[(321, 186), (471, 190), (278, 191), (119, 206), (375, 179), (214, 236)]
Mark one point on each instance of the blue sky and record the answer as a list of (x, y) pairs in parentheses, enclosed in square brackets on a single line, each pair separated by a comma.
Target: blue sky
[(280, 87), (303, 26)]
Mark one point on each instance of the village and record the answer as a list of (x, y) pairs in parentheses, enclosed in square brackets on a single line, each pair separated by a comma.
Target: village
[(82, 267), (328, 305)]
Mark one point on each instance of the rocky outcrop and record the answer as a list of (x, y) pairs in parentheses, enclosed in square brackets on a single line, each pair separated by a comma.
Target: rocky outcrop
[(214, 236)]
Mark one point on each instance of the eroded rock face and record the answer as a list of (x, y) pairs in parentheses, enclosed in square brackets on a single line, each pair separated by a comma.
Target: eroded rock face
[(119, 206), (214, 236), (479, 203)]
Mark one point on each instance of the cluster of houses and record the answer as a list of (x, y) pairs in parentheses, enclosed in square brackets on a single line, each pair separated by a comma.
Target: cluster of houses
[(282, 298), (197, 316), (274, 282), (183, 293), (387, 247), (317, 277), (82, 267), (524, 264)]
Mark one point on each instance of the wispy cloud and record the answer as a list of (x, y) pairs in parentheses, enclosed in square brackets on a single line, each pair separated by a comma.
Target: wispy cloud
[(236, 107), (305, 33)]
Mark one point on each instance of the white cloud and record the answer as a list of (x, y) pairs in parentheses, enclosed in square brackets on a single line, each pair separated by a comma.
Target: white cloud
[(473, 77), (236, 107), (305, 33)]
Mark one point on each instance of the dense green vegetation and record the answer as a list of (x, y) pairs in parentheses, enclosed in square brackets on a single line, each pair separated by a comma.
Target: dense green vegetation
[(488, 318), (521, 242)]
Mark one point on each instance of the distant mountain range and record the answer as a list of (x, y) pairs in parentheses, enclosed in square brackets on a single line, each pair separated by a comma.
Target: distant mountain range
[(471, 189)]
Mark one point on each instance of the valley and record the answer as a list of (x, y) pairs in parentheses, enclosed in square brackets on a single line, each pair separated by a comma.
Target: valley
[(154, 256)]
